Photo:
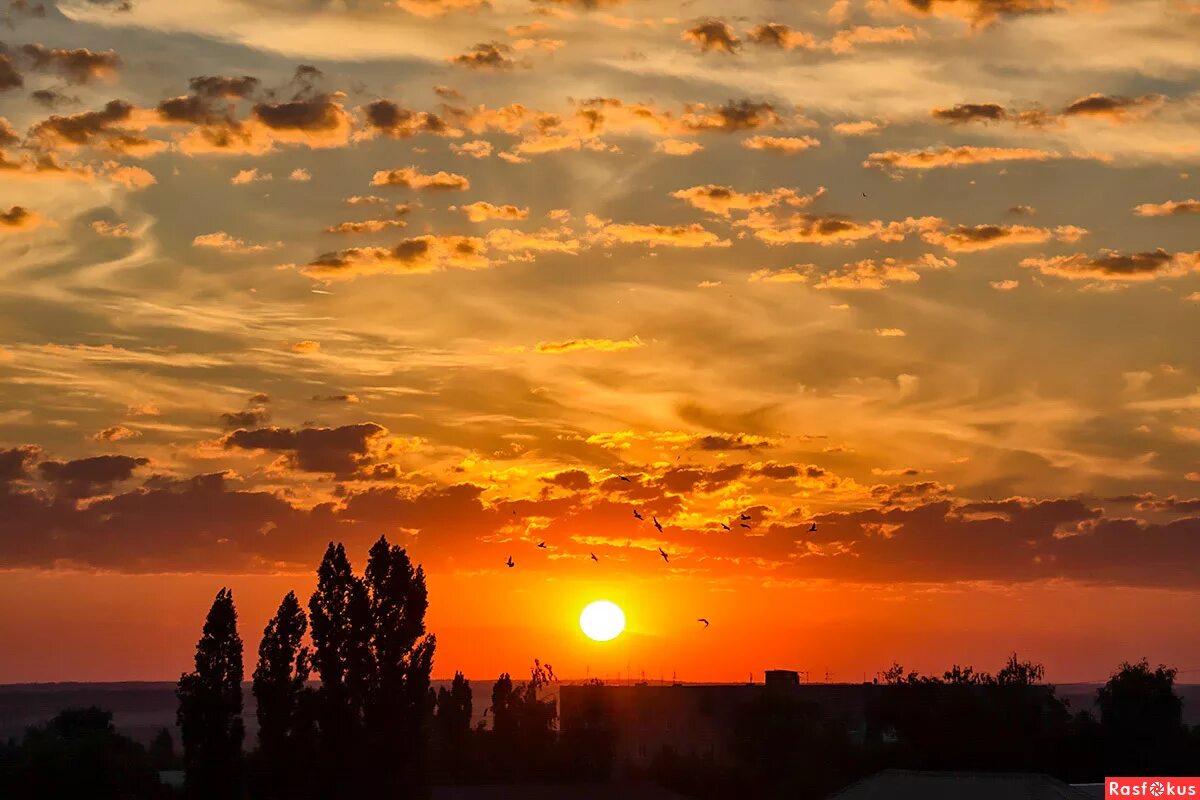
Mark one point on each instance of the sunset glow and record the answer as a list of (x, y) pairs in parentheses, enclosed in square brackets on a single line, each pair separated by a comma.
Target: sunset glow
[(865, 330)]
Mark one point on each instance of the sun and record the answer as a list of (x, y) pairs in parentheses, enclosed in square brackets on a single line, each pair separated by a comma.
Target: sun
[(602, 621)]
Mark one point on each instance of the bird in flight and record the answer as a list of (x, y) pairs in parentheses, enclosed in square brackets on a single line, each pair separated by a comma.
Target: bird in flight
[(744, 525), (542, 545), (625, 478), (636, 515), (864, 194), (510, 562), (657, 524), (745, 516), (702, 619), (663, 553), (594, 557), (812, 528), (726, 527)]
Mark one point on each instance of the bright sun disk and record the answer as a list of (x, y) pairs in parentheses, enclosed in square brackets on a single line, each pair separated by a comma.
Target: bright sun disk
[(602, 620)]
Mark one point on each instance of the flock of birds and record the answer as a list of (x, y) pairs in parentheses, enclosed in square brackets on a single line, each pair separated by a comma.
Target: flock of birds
[(743, 520)]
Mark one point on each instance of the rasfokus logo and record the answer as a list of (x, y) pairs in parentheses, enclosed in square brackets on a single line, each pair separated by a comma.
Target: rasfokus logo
[(1151, 787)]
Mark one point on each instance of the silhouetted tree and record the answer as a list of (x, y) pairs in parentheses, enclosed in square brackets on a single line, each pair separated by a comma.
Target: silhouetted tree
[(78, 754), (162, 751), (210, 706), (452, 729), (337, 644), (523, 726), (284, 738), (402, 656), (1142, 721)]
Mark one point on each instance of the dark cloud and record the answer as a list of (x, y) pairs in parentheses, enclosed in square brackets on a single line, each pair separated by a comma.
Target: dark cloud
[(776, 34), (14, 461), (1111, 107), (52, 98), (398, 122), (319, 113), (577, 480), (342, 452), (971, 112), (1116, 266), (713, 34), (736, 115), (86, 477), (108, 128), (486, 55), (985, 11), (224, 87), (10, 78), (735, 441), (244, 419), (17, 217), (78, 66)]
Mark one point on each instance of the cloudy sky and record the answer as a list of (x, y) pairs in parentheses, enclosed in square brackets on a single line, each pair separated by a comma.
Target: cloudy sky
[(903, 293)]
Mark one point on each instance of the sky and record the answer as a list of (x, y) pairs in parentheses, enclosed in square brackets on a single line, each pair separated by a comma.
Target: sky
[(903, 293)]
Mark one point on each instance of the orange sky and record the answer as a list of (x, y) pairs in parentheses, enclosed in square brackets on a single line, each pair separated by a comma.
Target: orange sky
[(922, 273)]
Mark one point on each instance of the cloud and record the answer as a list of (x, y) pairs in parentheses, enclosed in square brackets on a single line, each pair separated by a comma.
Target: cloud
[(477, 148), (545, 240), (720, 200), (775, 34), (413, 178), (251, 175), (10, 77), (712, 34), (598, 345), (968, 239), (115, 433), (317, 121), (825, 229), (222, 241), (864, 127), (971, 112), (1006, 285), (77, 66), (1114, 108), (687, 236), (344, 452), (86, 477), (963, 155), (300, 175), (306, 346), (871, 275), (678, 147), (1168, 209), (383, 117), (486, 55), (483, 211), (120, 230), (890, 332), (417, 255), (1113, 265), (787, 275), (19, 218), (366, 226), (781, 144), (116, 127), (845, 41), (250, 418), (982, 13)]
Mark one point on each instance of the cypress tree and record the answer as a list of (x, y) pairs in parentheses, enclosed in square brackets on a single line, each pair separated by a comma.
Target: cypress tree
[(279, 688), (210, 706)]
